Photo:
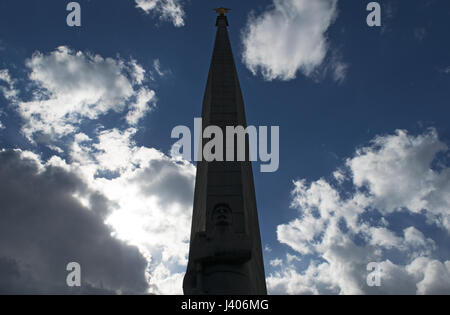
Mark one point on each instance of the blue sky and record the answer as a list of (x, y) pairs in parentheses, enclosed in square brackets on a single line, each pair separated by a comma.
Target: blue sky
[(342, 87)]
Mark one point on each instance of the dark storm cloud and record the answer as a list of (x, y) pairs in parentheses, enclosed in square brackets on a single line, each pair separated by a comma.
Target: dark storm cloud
[(43, 228), (170, 185)]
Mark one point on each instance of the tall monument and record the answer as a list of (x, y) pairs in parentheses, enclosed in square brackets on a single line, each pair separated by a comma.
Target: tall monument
[(225, 255)]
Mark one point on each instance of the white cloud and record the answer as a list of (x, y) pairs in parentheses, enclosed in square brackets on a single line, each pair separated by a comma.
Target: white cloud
[(158, 70), (289, 281), (7, 88), (168, 10), (415, 185), (384, 238), (290, 37), (140, 107), (4, 76), (157, 67), (70, 87), (138, 72), (165, 281), (114, 149), (339, 69), (339, 176), (8, 91), (433, 275), (276, 262), (345, 227)]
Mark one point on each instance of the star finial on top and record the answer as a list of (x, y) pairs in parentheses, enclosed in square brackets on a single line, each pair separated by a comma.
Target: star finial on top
[(222, 11)]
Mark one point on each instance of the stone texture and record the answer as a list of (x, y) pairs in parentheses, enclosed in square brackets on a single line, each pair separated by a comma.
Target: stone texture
[(225, 250)]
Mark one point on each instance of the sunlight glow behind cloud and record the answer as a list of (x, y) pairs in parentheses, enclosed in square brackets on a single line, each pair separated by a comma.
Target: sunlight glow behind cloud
[(136, 182)]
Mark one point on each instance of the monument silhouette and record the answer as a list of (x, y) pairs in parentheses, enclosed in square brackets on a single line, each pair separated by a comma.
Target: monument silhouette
[(225, 255)]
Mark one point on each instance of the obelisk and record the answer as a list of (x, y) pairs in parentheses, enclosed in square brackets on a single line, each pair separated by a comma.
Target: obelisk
[(225, 255)]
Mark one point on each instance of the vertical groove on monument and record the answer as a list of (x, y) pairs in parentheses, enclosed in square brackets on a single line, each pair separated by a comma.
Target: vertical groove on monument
[(225, 255)]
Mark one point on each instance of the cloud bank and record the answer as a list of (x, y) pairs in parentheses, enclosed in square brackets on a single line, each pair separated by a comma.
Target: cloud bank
[(380, 207), (43, 227), (121, 194)]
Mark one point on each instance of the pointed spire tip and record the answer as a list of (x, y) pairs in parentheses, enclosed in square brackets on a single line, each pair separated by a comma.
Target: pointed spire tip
[(222, 11)]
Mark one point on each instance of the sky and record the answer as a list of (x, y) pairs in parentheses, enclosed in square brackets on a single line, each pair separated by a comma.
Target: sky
[(86, 114)]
